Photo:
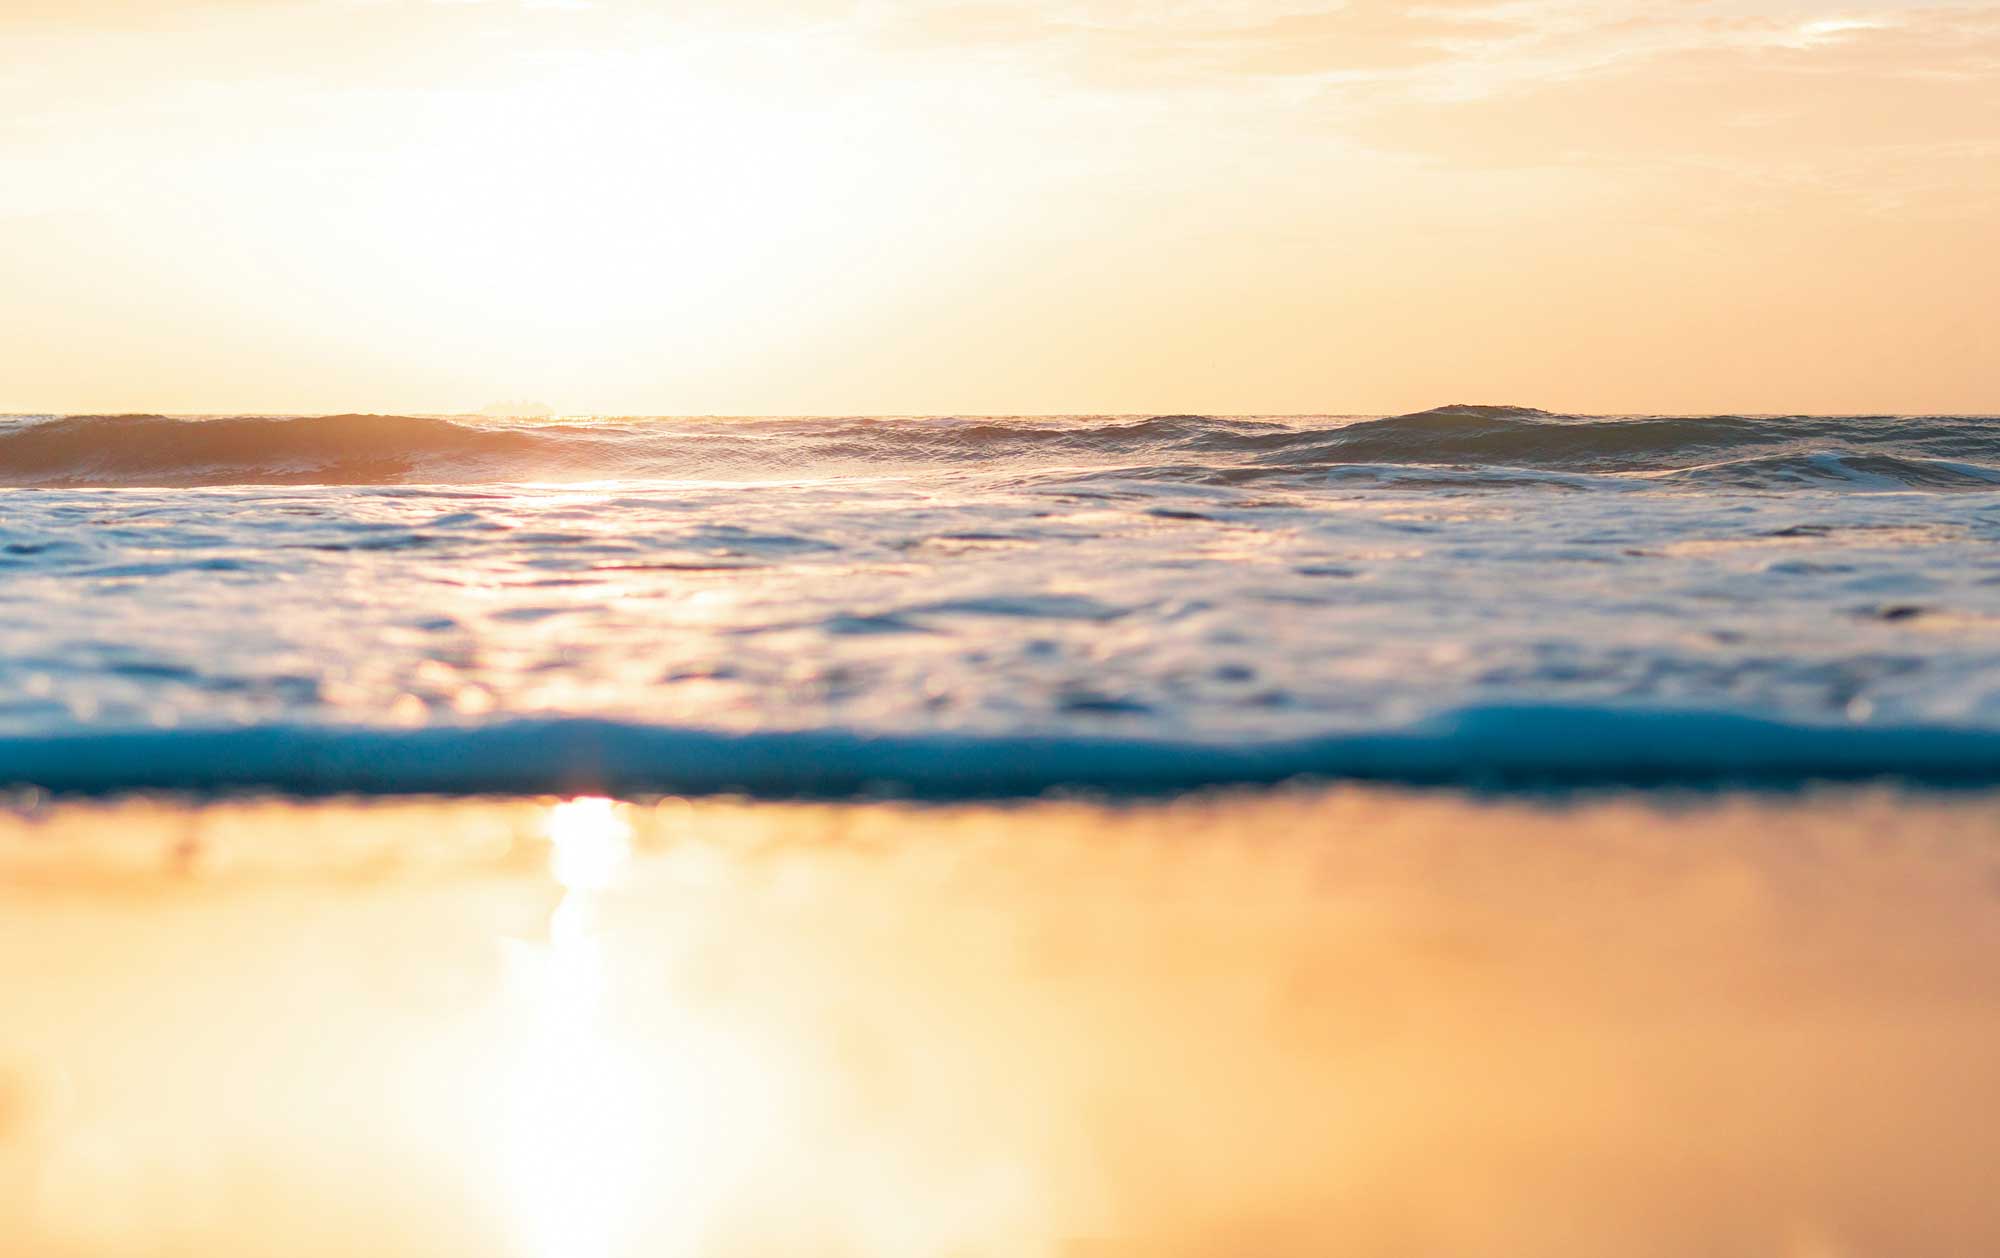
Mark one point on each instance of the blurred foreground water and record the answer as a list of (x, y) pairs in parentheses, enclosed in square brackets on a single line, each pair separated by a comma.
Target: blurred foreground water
[(1298, 1023)]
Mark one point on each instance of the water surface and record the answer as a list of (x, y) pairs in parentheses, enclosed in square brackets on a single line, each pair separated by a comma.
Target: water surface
[(788, 605)]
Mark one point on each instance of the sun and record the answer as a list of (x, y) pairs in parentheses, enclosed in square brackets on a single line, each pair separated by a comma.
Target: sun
[(627, 204)]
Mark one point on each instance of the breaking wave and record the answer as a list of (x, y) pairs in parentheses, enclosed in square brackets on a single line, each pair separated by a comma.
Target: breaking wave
[(1457, 446)]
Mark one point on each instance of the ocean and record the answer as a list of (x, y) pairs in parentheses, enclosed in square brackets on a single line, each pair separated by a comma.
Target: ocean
[(1467, 834), (995, 607)]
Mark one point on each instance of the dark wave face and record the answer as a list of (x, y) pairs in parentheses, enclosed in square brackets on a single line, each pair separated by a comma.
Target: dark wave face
[(1455, 446)]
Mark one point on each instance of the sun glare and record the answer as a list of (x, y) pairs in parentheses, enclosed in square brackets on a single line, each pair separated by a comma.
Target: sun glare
[(622, 201), (590, 841), (656, 1101), (577, 1144)]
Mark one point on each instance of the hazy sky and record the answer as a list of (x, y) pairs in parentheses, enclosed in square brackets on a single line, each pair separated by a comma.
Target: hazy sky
[(812, 206)]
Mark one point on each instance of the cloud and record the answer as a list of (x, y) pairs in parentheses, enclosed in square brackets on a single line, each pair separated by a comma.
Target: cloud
[(1127, 45), (1785, 86), (1732, 92), (1784, 91)]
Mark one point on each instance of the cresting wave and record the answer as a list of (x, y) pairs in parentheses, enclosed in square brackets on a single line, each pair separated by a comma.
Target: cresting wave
[(1459, 446), (1505, 747)]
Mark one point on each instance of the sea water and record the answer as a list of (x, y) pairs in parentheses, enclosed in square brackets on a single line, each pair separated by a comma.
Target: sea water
[(992, 606)]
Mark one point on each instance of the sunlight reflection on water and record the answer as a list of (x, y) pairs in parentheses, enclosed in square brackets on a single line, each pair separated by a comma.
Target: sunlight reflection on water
[(575, 1144), (1411, 1024), (646, 1119), (599, 1133)]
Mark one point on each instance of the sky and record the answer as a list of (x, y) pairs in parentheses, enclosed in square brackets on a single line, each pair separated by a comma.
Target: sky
[(1049, 206)]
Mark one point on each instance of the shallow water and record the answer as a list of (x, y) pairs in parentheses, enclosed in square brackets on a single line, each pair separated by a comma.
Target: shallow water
[(1086, 601), (1288, 1025)]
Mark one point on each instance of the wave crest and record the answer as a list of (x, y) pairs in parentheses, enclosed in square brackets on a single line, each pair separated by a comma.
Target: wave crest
[(115, 450), (1478, 443)]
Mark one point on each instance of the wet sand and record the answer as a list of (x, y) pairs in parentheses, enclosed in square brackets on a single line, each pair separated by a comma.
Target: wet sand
[(1355, 1022)]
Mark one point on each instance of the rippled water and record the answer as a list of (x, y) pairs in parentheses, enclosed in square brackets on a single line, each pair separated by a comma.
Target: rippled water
[(374, 601)]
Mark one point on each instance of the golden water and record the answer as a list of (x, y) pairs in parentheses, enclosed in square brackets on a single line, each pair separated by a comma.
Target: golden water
[(1352, 1022)]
